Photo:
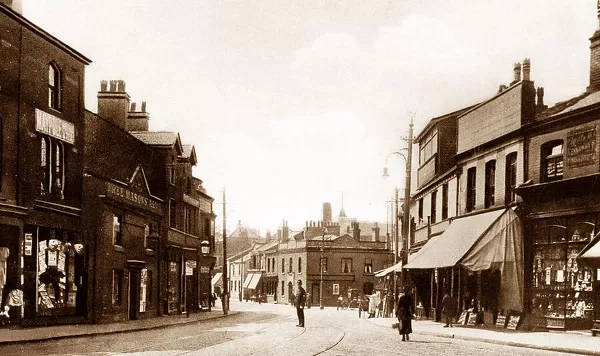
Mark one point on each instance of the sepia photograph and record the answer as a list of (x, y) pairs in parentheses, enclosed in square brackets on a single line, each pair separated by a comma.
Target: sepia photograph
[(299, 177)]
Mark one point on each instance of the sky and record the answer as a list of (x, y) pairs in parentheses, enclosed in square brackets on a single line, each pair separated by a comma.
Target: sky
[(292, 103)]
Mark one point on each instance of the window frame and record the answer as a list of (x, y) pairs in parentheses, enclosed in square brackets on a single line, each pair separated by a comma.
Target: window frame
[(46, 165), (346, 262), (444, 201), (323, 265), (117, 230), (433, 207), (490, 184), (300, 264), (368, 268), (55, 87), (117, 290), (510, 178), (556, 160), (471, 189)]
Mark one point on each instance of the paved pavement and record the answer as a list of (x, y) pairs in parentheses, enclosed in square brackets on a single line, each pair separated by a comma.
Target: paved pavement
[(571, 342), (579, 342)]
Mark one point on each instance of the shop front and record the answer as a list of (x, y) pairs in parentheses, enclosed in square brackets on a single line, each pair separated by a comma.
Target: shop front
[(590, 257), (10, 268), (562, 220), (478, 259), (54, 285)]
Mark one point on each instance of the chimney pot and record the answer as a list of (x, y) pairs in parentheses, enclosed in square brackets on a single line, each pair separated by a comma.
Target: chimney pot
[(113, 86), (103, 85), (132, 109), (143, 106)]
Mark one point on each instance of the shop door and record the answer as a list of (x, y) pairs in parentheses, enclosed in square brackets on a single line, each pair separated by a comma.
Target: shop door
[(134, 293), (190, 292)]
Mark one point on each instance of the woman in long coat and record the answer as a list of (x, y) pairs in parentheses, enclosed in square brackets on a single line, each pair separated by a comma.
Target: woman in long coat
[(404, 314)]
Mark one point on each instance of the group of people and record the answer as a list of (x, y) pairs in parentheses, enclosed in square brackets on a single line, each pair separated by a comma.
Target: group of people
[(404, 309)]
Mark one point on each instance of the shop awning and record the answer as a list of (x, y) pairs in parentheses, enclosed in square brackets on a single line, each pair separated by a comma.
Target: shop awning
[(395, 268), (216, 278), (591, 250), (255, 279), (492, 240), (384, 272), (248, 280), (448, 248)]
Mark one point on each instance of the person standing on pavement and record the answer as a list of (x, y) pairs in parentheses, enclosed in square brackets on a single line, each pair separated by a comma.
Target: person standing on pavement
[(300, 300), (404, 313), (449, 306)]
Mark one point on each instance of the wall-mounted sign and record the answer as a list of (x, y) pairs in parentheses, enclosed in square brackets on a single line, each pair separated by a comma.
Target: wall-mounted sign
[(123, 193), (581, 147), (54, 126)]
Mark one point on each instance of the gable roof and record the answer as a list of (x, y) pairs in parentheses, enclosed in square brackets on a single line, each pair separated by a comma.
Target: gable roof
[(159, 139), (43, 34), (189, 152)]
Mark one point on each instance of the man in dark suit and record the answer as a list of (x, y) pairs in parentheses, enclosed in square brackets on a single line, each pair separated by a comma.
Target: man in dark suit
[(300, 301)]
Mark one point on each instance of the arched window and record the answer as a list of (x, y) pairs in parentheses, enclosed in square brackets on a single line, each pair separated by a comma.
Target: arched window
[(552, 161), (54, 87), (59, 168), (45, 171)]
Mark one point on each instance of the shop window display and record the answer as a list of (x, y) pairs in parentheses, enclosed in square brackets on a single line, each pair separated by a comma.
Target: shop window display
[(57, 283), (562, 289)]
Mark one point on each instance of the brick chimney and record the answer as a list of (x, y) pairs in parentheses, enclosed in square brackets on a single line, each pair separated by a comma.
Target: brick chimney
[(356, 231), (113, 102), (595, 55), (516, 73), (137, 120), (376, 230), (526, 69), (16, 5)]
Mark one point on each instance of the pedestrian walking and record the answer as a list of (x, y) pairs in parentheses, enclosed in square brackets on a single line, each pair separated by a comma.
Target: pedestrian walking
[(449, 308), (300, 300), (404, 313)]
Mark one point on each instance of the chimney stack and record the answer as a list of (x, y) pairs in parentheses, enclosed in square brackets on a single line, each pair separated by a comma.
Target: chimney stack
[(16, 5), (137, 120), (516, 73), (113, 104), (526, 69), (595, 55)]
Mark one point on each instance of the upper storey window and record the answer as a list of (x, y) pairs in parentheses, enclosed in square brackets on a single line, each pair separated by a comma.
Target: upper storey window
[(54, 87), (471, 188), (552, 161), (490, 183), (428, 148)]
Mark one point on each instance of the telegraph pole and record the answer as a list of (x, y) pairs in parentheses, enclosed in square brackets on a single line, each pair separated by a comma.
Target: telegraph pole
[(406, 210), (225, 294)]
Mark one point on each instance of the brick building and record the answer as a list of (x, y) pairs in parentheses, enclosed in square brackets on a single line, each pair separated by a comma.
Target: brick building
[(41, 114)]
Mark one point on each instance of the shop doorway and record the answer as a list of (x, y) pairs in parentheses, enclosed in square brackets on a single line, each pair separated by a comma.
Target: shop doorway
[(134, 293), (290, 293)]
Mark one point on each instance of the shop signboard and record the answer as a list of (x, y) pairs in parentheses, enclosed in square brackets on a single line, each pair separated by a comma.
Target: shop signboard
[(462, 319), (513, 322), (501, 321), (581, 147)]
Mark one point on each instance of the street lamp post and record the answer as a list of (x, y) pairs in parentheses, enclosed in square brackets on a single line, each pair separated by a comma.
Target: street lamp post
[(225, 293), (405, 211), (396, 218), (205, 251)]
